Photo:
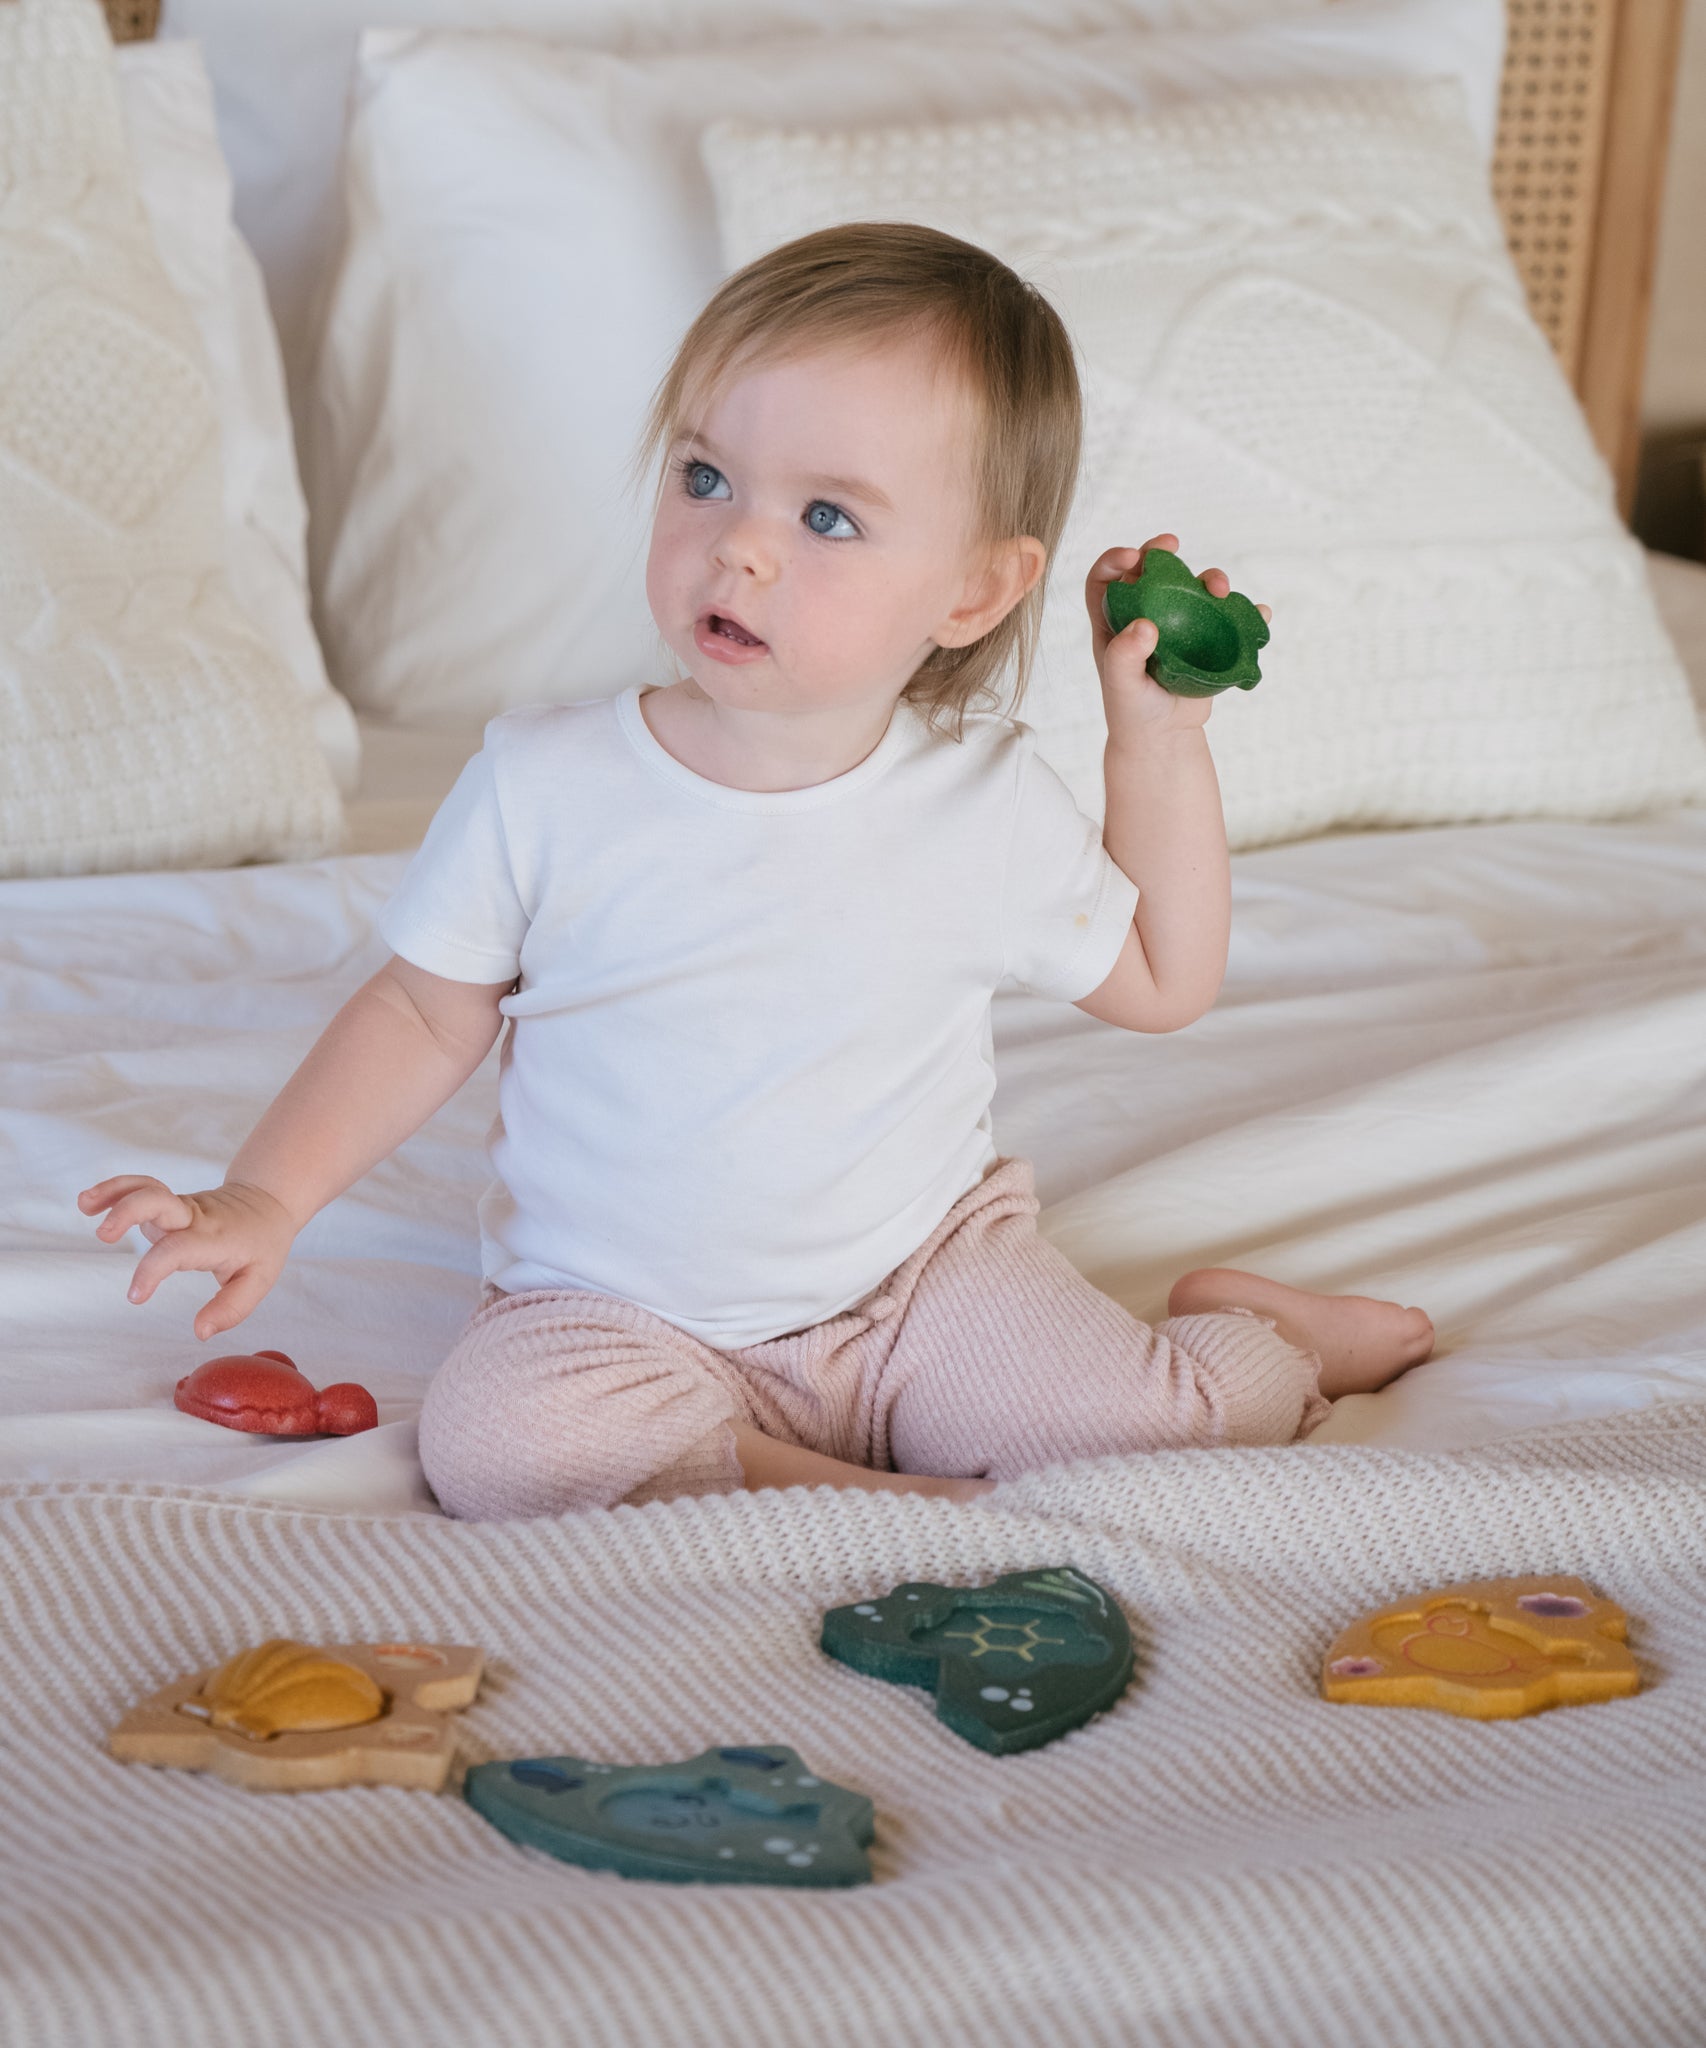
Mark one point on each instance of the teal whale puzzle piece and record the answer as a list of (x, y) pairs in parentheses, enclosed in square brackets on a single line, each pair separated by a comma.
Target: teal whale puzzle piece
[(1014, 1664), (749, 1815), (1206, 643)]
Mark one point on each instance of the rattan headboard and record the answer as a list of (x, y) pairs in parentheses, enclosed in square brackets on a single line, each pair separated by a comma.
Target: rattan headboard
[(1583, 127), (1584, 122)]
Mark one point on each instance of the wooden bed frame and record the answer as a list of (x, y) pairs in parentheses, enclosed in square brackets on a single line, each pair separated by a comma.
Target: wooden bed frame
[(1584, 122)]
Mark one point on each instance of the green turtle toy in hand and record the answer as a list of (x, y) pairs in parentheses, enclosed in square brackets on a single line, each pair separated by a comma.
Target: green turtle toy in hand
[(1205, 644)]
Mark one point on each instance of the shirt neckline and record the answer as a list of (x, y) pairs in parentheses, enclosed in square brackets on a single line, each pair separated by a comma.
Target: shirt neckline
[(661, 761)]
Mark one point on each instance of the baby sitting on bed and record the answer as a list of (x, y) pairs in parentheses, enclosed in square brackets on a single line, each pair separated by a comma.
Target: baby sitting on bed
[(749, 1226)]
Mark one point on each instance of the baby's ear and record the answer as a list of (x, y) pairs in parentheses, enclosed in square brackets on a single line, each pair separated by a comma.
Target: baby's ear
[(1030, 558), (1010, 569)]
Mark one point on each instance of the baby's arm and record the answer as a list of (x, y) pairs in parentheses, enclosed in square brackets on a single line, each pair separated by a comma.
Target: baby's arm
[(1163, 827), (396, 1052)]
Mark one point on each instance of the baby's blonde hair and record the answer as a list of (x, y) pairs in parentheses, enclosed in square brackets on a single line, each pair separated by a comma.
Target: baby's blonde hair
[(874, 281)]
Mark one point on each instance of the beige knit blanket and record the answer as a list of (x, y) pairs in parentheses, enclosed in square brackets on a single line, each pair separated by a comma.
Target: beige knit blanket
[(1223, 1858)]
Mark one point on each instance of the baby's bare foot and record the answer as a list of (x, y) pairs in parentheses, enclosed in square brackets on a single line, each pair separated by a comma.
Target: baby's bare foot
[(1362, 1343)]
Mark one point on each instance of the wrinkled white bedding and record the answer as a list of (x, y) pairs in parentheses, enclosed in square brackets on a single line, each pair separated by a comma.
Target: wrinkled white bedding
[(1463, 1067)]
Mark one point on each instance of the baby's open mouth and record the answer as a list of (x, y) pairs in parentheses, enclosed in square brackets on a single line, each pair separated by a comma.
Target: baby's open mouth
[(730, 631)]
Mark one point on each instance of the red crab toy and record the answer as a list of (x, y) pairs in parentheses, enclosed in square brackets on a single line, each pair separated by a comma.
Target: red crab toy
[(262, 1391)]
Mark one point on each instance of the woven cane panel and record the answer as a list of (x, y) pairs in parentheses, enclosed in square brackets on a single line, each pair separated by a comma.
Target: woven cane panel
[(1546, 172), (132, 21)]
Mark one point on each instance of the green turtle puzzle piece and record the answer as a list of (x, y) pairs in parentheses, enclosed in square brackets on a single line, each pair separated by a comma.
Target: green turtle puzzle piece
[(750, 1815), (1014, 1664), (1206, 643)]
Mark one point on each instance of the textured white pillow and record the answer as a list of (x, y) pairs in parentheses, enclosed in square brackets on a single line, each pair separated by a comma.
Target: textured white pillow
[(174, 144), (531, 230), (1305, 351), (143, 722)]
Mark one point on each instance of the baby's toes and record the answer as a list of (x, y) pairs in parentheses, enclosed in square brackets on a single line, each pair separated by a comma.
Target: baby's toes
[(1418, 1335)]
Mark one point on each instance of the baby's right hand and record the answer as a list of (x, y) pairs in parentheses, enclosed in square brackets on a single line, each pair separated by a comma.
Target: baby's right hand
[(240, 1234)]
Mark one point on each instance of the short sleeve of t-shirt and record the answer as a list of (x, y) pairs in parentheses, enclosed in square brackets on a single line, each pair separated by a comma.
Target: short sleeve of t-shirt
[(457, 911), (1066, 905)]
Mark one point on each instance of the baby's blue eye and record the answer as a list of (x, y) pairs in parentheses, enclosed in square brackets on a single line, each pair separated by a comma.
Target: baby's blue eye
[(693, 471), (823, 505), (693, 474)]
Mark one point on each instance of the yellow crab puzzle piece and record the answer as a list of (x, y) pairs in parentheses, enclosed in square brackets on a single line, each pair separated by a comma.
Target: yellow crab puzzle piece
[(1493, 1649)]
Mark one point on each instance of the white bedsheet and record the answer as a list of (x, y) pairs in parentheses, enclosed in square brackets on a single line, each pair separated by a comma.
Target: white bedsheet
[(1464, 1068)]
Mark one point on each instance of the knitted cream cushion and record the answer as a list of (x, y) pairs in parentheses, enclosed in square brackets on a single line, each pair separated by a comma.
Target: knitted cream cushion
[(143, 722), (1305, 351)]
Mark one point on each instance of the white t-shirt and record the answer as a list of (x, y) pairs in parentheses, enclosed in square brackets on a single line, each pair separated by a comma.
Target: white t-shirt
[(750, 1064)]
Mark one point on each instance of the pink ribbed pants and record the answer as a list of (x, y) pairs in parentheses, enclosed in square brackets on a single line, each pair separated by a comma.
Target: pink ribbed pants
[(985, 1352)]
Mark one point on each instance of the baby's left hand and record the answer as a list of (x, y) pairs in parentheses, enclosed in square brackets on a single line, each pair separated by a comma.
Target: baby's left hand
[(1136, 706)]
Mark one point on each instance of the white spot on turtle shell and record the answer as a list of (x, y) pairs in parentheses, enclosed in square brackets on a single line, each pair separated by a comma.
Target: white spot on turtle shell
[(778, 1845), (800, 1860), (865, 1607), (993, 1692)]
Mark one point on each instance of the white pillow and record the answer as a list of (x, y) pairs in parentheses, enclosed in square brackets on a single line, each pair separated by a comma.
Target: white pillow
[(282, 71), (1306, 352), (168, 110), (143, 722), (531, 230)]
